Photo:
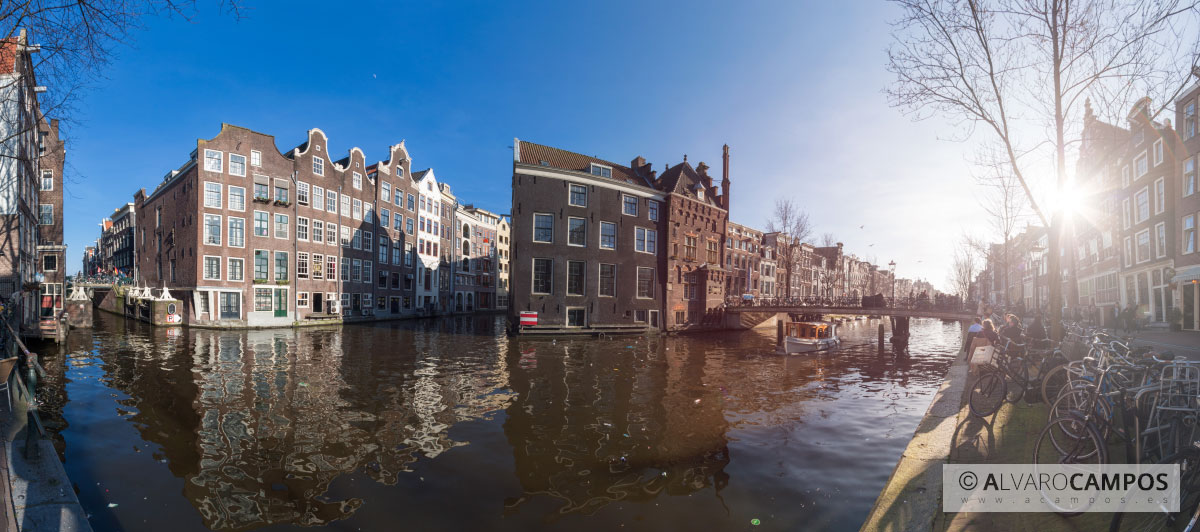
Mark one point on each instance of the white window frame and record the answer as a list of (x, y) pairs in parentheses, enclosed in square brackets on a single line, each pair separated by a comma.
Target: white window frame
[(1129, 251), (593, 167), (1149, 240), (534, 235), (1184, 235), (256, 158), (219, 158), (303, 193), (47, 175), (302, 222), (287, 225), (1158, 152), (1127, 212), (1137, 214), (644, 240), (533, 273), (229, 199), (1160, 195), (356, 181), (220, 224), (318, 198), (636, 205), (584, 220), (1137, 170), (567, 317), (243, 157), (302, 259), (318, 166), (301, 299), (229, 231), (356, 211), (229, 268), (204, 268), (570, 194), (208, 185), (1160, 245)]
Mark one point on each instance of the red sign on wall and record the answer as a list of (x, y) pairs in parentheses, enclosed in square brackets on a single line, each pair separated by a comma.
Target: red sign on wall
[(528, 318)]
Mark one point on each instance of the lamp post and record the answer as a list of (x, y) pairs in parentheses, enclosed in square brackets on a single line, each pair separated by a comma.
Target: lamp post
[(1037, 300), (892, 268)]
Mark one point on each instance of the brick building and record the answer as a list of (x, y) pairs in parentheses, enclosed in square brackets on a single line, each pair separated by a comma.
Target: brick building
[(743, 256), (1187, 210), (503, 255), (21, 212), (586, 248), (475, 259), (1149, 188), (51, 249), (248, 236), (696, 221), (1097, 229)]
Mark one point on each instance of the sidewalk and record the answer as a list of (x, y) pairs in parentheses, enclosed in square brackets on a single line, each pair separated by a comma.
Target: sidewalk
[(1182, 343)]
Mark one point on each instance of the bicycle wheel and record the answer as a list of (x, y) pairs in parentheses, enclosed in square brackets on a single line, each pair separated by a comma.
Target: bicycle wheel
[(1072, 404), (1053, 382), (1083, 446), (988, 394), (1016, 372), (1189, 501)]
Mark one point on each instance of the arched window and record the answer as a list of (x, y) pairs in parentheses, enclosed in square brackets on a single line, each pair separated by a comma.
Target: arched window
[(466, 264), (466, 248), (466, 230)]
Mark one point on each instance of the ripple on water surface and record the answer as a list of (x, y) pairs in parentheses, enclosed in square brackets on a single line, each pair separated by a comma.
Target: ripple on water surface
[(449, 425)]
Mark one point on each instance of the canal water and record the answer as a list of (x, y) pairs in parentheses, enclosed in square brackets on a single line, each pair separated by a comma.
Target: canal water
[(449, 425)]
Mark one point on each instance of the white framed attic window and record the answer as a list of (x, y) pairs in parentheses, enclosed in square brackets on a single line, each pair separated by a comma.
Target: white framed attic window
[(213, 160), (318, 166), (600, 170), (255, 158)]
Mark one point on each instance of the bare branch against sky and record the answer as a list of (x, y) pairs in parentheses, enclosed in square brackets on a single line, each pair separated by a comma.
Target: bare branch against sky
[(78, 40), (792, 223), (1020, 71)]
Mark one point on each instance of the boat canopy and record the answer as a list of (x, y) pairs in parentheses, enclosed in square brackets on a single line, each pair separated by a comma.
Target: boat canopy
[(804, 329)]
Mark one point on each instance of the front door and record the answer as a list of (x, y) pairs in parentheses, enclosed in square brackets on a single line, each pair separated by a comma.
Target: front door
[(1189, 293), (654, 319), (318, 301), (281, 303)]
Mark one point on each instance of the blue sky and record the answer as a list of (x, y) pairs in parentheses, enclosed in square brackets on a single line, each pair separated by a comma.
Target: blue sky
[(795, 89)]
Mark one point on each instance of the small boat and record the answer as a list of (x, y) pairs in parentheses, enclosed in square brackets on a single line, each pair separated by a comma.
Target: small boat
[(809, 336)]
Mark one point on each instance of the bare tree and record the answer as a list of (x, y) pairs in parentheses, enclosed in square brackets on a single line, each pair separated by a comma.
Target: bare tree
[(962, 271), (828, 240), (791, 222), (1004, 205), (1020, 70)]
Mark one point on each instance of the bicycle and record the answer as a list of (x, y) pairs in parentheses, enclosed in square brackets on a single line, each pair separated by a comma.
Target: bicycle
[(992, 387)]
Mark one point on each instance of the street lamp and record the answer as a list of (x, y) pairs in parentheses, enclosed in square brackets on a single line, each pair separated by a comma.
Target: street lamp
[(1037, 300), (892, 267)]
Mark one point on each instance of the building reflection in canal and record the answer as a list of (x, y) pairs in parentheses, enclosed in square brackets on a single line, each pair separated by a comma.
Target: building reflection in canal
[(259, 426)]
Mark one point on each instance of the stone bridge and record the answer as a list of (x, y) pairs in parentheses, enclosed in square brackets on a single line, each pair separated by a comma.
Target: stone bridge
[(751, 314)]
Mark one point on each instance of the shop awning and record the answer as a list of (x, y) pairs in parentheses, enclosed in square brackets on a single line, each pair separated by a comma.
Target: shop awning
[(1187, 275)]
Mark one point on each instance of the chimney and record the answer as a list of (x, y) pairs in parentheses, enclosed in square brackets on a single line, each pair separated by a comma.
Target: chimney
[(703, 171), (725, 176)]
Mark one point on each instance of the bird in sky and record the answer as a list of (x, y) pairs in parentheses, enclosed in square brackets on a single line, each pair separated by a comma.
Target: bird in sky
[(862, 226)]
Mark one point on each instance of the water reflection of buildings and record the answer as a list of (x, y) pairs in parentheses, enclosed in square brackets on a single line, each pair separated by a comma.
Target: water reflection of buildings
[(260, 423), (591, 426)]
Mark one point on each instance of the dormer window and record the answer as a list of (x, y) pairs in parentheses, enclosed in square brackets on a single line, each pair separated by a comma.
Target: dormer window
[(543, 163), (600, 170)]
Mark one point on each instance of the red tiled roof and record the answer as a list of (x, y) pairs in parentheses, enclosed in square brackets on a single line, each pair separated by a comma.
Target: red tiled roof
[(537, 154), (685, 180)]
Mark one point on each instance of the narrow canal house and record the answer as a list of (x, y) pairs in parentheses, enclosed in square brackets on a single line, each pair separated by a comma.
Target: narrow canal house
[(475, 259), (1097, 227), (503, 241), (32, 219), (586, 246), (1149, 188), (51, 249), (697, 218), (1187, 209), (742, 258)]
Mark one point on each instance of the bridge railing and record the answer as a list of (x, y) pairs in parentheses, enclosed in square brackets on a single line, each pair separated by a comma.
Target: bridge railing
[(939, 304)]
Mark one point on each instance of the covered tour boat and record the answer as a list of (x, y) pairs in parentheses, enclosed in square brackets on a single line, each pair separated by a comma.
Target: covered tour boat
[(809, 336)]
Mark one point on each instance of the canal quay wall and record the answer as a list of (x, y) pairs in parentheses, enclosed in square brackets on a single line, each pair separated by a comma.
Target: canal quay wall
[(912, 498), (169, 313)]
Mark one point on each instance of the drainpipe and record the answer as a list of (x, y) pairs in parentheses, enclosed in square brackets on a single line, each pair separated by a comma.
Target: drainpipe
[(296, 248)]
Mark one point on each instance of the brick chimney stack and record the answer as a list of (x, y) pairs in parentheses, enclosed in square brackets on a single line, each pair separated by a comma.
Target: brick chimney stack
[(725, 177), (702, 169)]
